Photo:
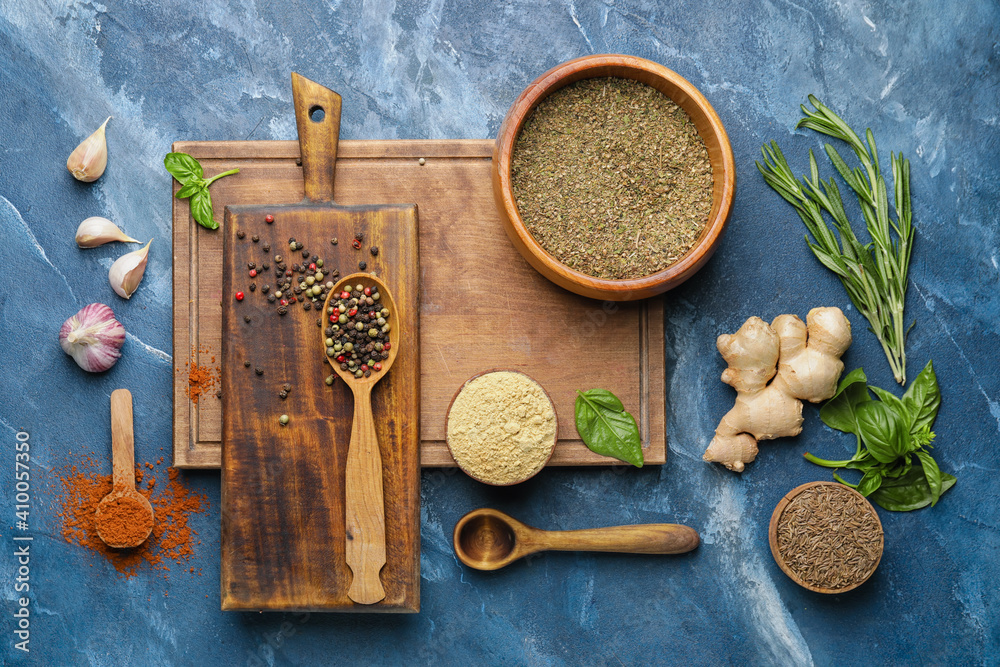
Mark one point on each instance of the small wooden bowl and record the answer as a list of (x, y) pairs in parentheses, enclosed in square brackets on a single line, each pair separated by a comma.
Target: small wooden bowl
[(772, 537), (710, 128), (448, 418)]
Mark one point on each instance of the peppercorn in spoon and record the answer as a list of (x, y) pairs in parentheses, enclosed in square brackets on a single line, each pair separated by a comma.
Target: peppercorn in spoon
[(124, 516), (362, 348)]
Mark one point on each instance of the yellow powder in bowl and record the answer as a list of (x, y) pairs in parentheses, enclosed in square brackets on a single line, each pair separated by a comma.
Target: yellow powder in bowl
[(501, 428)]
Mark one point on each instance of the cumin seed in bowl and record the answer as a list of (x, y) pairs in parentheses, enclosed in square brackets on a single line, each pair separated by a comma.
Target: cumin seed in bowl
[(826, 537)]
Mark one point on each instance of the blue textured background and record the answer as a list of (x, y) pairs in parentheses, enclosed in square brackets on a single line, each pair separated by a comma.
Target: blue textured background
[(923, 74)]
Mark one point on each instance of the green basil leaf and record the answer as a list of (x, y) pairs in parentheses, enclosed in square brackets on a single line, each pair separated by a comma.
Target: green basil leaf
[(182, 166), (923, 399), (909, 492), (189, 189), (882, 431), (894, 403), (870, 482), (932, 473), (201, 209), (839, 411), (606, 428)]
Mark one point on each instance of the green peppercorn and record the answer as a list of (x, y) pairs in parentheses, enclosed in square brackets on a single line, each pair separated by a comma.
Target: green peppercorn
[(283, 420), (384, 312), (342, 319), (330, 352), (310, 281), (372, 333), (348, 347), (336, 346), (329, 380), (359, 373), (329, 342), (359, 288), (376, 296), (342, 308), (319, 263), (318, 275), (380, 321), (386, 328)]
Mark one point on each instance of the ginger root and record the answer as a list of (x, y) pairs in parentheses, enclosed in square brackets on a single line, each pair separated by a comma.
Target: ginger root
[(804, 362)]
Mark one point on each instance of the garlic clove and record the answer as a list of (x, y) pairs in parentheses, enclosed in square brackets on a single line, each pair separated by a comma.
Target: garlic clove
[(93, 337), (96, 231), (126, 272), (88, 160)]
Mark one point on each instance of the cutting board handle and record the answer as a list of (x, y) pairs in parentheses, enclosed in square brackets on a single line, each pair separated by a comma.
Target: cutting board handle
[(317, 115)]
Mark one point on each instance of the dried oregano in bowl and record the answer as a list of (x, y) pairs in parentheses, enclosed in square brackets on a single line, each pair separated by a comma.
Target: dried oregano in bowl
[(826, 537)]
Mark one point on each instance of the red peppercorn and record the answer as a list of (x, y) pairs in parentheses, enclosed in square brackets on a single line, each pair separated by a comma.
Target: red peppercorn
[(333, 318), (288, 272), (345, 295), (368, 291), (357, 244), (239, 296), (352, 312), (312, 266), (284, 302), (387, 346), (269, 218), (253, 273), (292, 299), (341, 358), (364, 367), (377, 365)]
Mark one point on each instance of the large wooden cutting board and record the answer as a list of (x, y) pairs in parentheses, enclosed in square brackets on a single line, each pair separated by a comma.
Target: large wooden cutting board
[(474, 286)]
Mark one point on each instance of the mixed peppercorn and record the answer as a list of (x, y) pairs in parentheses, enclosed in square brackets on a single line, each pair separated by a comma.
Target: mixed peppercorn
[(358, 335)]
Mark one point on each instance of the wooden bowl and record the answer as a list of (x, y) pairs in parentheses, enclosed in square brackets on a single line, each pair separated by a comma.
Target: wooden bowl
[(555, 439), (710, 128), (772, 537)]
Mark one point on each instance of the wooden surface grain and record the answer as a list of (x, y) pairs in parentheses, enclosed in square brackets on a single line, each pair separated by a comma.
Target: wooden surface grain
[(494, 309), (300, 528)]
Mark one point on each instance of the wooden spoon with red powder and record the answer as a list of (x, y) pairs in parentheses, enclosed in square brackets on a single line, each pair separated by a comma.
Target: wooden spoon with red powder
[(124, 516)]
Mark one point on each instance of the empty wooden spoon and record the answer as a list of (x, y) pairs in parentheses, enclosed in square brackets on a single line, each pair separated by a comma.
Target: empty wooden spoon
[(124, 516), (364, 508), (487, 539)]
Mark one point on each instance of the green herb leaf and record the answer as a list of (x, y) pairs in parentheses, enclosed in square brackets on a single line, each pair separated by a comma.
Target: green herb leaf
[(182, 166), (909, 492), (606, 428), (870, 482), (189, 189), (932, 473), (874, 275), (882, 431), (923, 399), (201, 209), (895, 404), (839, 411)]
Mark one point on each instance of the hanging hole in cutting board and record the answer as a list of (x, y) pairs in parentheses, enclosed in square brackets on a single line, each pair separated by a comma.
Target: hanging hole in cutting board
[(316, 114)]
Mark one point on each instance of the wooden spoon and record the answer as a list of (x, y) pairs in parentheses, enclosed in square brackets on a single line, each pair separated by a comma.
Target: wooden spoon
[(118, 505), (364, 509), (486, 539)]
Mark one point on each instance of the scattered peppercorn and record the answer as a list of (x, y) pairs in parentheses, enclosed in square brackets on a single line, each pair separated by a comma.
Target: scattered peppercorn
[(374, 251), (329, 380), (255, 238), (359, 237), (362, 266), (258, 370), (246, 318), (246, 364), (218, 394), (271, 298), (282, 310), (253, 287), (279, 259), (266, 247), (305, 253), (265, 266), (333, 241), (239, 296), (269, 218), (253, 273), (421, 162), (240, 234), (356, 244), (283, 420)]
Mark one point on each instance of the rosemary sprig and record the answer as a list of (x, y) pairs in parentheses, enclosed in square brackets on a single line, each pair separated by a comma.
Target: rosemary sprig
[(874, 274)]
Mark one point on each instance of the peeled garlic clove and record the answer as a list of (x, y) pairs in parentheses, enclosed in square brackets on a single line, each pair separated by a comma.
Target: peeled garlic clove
[(96, 231), (93, 337), (88, 160), (126, 272)]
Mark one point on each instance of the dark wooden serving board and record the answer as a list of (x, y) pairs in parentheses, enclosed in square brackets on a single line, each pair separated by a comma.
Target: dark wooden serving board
[(473, 282), (283, 486)]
